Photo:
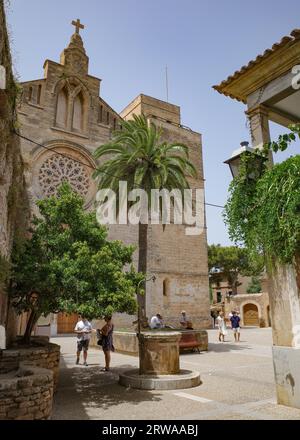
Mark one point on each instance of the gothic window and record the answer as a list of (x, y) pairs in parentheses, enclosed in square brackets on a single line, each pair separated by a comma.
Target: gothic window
[(62, 108), (100, 115), (107, 118), (78, 110), (57, 169), (30, 94), (39, 94)]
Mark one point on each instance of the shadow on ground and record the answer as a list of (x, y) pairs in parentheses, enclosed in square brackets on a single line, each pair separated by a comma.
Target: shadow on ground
[(221, 347), (84, 389)]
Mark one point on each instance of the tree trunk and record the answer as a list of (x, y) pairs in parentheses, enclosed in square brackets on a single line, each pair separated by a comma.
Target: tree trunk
[(142, 267), (34, 316)]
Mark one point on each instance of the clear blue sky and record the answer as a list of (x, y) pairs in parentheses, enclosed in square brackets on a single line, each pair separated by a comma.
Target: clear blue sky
[(130, 42)]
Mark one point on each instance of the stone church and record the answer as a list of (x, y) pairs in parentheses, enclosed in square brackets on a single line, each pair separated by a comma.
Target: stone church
[(64, 114)]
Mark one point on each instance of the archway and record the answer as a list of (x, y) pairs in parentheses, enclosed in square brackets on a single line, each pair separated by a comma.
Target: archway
[(251, 316)]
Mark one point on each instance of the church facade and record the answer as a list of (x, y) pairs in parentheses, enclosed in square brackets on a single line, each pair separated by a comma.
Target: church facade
[(65, 116)]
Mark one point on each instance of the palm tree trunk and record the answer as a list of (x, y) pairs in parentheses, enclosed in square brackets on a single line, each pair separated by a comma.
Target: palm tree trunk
[(142, 267)]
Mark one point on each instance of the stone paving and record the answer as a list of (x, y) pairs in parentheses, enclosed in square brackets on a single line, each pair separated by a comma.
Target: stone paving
[(237, 383)]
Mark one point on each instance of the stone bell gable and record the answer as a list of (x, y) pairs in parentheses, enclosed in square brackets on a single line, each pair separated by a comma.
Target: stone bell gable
[(64, 112)]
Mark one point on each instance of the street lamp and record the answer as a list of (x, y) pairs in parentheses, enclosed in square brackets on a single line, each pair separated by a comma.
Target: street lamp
[(234, 161)]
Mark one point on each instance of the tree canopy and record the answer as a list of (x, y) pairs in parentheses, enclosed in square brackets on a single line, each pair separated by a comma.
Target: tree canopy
[(230, 262), (68, 264)]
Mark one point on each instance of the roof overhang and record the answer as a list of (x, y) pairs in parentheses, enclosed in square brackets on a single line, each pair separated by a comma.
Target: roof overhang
[(273, 63)]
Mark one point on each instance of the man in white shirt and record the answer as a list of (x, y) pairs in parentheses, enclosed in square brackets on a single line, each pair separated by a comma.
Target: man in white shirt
[(83, 329), (156, 321)]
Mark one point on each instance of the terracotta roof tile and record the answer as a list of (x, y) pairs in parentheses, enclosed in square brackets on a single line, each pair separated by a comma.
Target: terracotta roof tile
[(295, 35)]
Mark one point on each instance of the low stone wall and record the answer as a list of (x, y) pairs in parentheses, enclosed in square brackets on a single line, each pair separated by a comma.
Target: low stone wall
[(26, 394), (43, 356), (127, 342)]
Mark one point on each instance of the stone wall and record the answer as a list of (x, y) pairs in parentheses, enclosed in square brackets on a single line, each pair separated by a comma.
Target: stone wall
[(13, 199), (46, 356), (26, 394)]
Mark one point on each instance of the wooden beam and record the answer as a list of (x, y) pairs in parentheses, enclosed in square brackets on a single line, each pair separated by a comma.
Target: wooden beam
[(282, 118)]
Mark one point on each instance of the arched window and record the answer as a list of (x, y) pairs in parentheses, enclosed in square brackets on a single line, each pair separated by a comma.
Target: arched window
[(78, 109), (100, 115), (107, 118), (62, 108), (39, 94), (166, 292), (166, 287), (30, 94)]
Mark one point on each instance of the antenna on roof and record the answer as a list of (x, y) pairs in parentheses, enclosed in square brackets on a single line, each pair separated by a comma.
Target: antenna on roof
[(167, 84)]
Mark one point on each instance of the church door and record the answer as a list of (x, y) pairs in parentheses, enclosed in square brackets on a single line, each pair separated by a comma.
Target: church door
[(251, 315), (66, 323)]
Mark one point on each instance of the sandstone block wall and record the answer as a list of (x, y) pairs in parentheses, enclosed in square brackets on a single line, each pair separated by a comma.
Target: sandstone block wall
[(27, 394), (43, 357)]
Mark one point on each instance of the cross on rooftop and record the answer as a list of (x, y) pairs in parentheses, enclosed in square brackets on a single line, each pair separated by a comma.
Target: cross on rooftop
[(77, 25)]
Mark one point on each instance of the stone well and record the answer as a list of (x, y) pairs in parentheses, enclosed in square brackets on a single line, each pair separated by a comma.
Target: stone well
[(127, 342), (26, 393), (159, 352), (159, 364), (44, 355)]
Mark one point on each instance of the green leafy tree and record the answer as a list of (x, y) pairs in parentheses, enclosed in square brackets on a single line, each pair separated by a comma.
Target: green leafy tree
[(284, 140), (138, 155), (262, 214), (231, 261), (68, 265), (254, 285)]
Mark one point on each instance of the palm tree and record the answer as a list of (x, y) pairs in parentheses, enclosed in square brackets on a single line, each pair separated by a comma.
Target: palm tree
[(139, 156)]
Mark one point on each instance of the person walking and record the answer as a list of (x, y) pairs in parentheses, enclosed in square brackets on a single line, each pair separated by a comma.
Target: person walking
[(107, 341), (83, 329), (222, 326), (235, 325)]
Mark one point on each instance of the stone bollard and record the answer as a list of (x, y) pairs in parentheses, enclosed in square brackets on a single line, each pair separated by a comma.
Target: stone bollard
[(159, 352)]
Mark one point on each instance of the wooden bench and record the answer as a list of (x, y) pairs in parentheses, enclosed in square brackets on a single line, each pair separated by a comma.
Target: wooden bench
[(189, 341)]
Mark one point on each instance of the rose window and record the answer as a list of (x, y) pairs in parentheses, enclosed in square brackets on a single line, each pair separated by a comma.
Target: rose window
[(58, 169)]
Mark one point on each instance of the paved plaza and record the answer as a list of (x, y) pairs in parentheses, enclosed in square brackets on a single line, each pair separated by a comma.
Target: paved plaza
[(237, 383)]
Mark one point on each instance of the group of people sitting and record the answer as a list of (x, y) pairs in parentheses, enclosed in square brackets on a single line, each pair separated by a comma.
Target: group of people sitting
[(156, 322)]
